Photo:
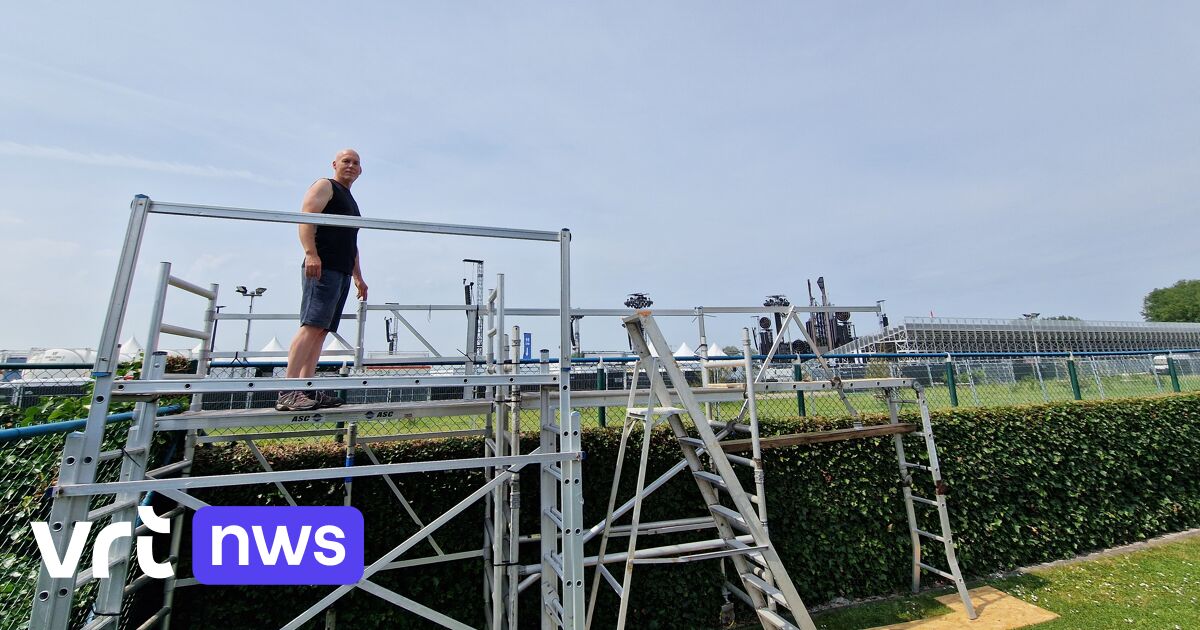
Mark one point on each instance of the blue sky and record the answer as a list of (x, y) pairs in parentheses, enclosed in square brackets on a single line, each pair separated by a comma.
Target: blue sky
[(969, 159)]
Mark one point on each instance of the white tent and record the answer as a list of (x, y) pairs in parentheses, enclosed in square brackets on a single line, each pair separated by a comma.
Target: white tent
[(130, 349), (335, 350), (684, 350), (274, 346), (714, 350)]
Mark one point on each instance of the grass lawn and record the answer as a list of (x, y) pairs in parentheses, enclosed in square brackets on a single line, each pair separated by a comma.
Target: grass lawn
[(1153, 588)]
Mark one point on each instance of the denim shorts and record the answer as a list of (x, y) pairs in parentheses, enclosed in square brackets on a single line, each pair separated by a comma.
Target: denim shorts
[(324, 298)]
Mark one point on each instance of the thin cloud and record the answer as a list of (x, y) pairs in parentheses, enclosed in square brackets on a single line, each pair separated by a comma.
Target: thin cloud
[(117, 160)]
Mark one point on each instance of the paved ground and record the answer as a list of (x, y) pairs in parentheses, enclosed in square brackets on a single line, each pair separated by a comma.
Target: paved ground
[(997, 611)]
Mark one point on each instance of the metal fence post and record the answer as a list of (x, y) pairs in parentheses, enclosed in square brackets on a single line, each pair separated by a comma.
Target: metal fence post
[(1174, 372), (950, 384), (601, 385), (1071, 371), (798, 375), (343, 372)]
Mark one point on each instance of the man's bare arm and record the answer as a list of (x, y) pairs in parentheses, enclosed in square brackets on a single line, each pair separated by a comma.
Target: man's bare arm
[(359, 284), (315, 199)]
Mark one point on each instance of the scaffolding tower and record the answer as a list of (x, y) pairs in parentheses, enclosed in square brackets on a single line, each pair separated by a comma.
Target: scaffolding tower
[(81, 496)]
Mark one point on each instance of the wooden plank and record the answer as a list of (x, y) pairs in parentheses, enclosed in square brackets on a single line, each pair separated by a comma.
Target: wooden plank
[(794, 439)]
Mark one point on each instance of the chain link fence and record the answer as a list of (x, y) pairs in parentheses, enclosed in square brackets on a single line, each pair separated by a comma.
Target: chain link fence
[(31, 396), (967, 380), (39, 405)]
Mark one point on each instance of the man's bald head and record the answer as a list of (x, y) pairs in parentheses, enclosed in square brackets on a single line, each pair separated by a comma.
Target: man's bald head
[(347, 166)]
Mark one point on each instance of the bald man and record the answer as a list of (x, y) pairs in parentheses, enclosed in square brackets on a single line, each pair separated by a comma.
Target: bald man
[(331, 262)]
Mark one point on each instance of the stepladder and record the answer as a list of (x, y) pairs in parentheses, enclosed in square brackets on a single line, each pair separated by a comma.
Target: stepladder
[(743, 538)]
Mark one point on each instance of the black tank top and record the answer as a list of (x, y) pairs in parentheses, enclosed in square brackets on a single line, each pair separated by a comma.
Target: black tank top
[(338, 246)]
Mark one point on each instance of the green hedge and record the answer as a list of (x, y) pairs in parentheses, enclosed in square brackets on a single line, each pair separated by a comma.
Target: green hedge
[(1028, 484)]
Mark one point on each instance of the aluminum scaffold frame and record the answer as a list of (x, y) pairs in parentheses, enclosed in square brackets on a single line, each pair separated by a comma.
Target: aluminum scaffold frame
[(558, 456)]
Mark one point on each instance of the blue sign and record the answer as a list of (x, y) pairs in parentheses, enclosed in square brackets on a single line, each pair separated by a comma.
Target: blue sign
[(527, 347), (277, 545)]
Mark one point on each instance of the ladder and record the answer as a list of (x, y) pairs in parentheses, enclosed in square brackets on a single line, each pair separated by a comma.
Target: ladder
[(744, 536), (940, 490), (52, 607), (891, 392)]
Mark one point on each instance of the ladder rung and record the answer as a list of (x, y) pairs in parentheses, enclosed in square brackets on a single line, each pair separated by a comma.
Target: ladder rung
[(740, 428), (142, 529), (692, 442), (924, 500), (555, 564), (733, 518), (751, 553), (111, 508), (169, 469), (554, 471), (554, 607), (87, 574), (773, 618), (766, 589), (735, 459), (937, 571), (100, 621), (917, 466), (612, 581), (142, 580), (116, 453), (555, 516), (921, 532), (908, 401), (715, 480), (550, 426)]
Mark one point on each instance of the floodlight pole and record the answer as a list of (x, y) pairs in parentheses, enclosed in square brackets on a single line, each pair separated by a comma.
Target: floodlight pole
[(250, 294)]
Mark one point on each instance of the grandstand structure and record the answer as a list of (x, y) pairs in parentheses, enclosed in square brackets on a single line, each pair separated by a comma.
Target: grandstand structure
[(948, 334)]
